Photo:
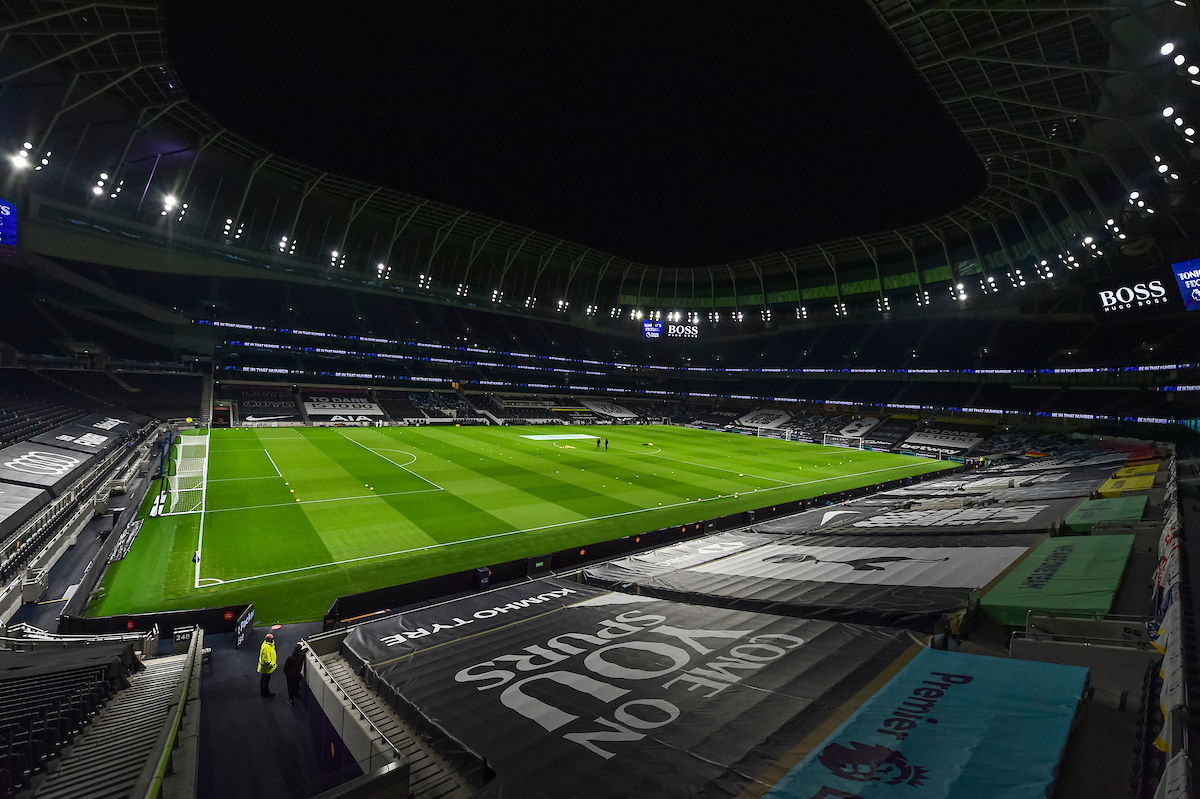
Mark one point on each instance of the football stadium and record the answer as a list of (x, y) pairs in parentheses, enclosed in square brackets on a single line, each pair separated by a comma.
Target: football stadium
[(536, 400)]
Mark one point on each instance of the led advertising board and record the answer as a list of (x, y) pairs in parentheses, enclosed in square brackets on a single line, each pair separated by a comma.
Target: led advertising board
[(659, 330), (8, 228), (1187, 277), (1132, 295)]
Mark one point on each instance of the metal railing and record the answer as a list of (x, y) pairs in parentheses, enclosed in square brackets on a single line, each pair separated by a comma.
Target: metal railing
[(369, 764), (149, 782)]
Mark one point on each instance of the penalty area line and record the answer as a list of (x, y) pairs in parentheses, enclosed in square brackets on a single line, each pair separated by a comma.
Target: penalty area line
[(389, 460), (508, 533)]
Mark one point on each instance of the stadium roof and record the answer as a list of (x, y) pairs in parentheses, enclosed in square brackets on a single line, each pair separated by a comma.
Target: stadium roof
[(1060, 100), (676, 133)]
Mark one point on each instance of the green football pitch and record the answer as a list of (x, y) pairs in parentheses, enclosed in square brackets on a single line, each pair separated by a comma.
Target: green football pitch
[(291, 518)]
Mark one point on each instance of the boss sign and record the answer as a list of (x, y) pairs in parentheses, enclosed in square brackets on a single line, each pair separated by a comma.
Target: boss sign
[(1137, 295), (1140, 294)]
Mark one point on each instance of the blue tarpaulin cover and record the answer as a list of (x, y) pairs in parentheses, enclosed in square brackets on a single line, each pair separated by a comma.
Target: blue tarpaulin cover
[(948, 725)]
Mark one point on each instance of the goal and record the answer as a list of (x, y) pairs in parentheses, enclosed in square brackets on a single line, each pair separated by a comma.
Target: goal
[(185, 488), (852, 442)]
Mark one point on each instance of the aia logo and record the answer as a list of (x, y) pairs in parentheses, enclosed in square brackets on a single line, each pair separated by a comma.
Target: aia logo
[(866, 763)]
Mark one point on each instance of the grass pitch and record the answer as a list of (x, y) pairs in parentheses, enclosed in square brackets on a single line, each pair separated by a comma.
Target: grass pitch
[(294, 517)]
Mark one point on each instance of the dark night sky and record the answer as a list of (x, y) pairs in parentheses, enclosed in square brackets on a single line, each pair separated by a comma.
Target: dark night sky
[(676, 133)]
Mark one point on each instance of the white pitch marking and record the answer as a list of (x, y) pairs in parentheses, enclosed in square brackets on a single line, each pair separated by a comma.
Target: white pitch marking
[(530, 529), (389, 460)]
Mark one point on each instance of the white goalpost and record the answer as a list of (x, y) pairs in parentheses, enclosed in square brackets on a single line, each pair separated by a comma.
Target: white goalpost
[(851, 442), (185, 488)]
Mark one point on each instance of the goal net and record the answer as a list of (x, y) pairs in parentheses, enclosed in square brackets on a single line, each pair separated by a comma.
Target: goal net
[(185, 488), (852, 442)]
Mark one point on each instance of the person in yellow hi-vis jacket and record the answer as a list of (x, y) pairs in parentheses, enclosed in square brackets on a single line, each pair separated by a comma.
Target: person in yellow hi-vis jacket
[(266, 665)]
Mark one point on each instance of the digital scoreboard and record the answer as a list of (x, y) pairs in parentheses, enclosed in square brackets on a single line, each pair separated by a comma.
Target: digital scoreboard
[(659, 330), (8, 228), (1187, 277), (1138, 294)]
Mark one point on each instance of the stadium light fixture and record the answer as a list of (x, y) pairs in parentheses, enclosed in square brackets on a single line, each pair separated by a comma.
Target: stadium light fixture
[(1167, 48)]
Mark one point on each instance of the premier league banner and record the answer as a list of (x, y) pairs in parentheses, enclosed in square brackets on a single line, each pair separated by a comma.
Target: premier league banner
[(40, 466), (893, 581), (948, 725), (568, 690)]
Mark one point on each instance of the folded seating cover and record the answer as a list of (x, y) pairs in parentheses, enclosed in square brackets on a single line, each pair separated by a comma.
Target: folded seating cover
[(948, 725), (1071, 574), (42, 466), (17, 504), (1114, 509), (895, 581), (572, 691)]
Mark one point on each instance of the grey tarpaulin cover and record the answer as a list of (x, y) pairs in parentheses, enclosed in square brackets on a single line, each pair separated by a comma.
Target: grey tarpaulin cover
[(78, 438), (901, 581), (120, 424), (1012, 518), (42, 466), (573, 691), (17, 504)]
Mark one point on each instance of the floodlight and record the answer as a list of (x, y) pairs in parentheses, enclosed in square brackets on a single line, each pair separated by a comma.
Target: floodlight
[(1167, 48), (28, 145), (1169, 111)]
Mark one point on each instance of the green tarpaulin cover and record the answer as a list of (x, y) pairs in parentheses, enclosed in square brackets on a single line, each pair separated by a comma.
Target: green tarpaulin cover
[(1121, 509), (1075, 574)]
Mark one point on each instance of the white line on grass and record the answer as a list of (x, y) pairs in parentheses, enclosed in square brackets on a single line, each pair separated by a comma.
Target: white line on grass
[(272, 460), (332, 499), (208, 444), (705, 465), (389, 460), (531, 529)]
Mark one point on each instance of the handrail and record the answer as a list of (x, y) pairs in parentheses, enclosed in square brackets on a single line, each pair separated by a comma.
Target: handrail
[(362, 714), (149, 782)]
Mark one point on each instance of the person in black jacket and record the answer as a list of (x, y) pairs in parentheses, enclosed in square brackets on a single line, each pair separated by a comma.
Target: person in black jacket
[(291, 672)]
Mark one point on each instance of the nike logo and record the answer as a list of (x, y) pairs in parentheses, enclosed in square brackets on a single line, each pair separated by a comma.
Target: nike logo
[(267, 418)]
